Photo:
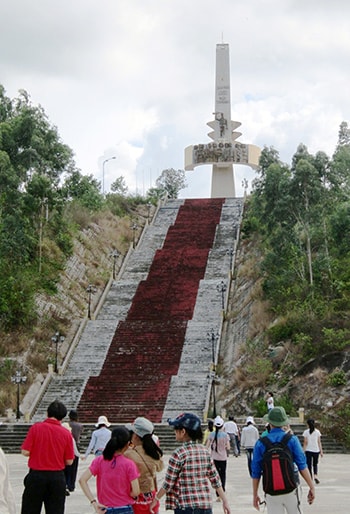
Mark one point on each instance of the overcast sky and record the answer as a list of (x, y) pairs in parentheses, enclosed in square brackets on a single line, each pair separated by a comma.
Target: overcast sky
[(135, 79)]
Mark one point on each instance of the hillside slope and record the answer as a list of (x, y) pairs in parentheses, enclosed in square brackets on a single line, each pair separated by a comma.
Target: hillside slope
[(249, 367)]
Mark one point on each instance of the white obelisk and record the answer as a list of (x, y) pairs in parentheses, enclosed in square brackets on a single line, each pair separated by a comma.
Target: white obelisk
[(224, 151)]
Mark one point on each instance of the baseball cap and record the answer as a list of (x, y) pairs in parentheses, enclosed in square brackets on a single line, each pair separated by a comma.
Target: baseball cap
[(141, 426), (278, 417), (250, 419), (102, 420), (186, 420)]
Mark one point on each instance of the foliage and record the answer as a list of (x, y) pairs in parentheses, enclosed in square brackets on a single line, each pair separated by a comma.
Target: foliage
[(260, 370), (171, 182), (154, 194), (300, 215), (260, 409), (119, 186), (84, 189), (337, 378), (33, 231)]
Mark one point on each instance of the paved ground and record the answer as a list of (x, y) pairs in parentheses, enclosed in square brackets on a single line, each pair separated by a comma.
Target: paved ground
[(332, 494)]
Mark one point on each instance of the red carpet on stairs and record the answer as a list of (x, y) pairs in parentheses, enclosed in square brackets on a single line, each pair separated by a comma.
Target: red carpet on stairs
[(146, 348)]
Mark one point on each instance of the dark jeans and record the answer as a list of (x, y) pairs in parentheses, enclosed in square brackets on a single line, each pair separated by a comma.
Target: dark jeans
[(312, 462), (44, 487), (193, 510), (71, 474), (238, 444), (249, 452), (221, 467)]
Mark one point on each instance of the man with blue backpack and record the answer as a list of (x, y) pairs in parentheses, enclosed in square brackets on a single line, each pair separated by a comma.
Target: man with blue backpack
[(274, 459)]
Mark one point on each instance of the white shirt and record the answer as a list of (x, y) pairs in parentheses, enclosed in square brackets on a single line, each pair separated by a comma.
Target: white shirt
[(312, 440), (249, 437), (270, 403), (7, 500), (230, 427)]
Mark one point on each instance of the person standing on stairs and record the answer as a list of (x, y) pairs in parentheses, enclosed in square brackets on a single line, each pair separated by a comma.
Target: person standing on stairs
[(99, 438), (147, 456)]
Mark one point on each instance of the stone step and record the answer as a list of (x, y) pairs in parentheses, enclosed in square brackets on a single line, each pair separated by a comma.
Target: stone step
[(13, 434)]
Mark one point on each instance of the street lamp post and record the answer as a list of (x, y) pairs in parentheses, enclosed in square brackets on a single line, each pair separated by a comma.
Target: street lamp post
[(134, 227), (115, 254), (214, 394), (90, 290), (103, 173), (231, 253), (18, 379), (56, 339), (212, 338), (222, 288)]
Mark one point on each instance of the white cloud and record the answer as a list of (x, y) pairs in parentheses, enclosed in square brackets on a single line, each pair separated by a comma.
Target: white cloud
[(136, 79)]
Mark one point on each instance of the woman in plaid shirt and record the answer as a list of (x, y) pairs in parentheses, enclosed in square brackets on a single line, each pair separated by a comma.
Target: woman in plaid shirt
[(189, 472)]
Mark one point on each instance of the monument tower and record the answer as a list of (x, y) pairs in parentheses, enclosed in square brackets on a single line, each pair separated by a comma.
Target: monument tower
[(224, 151)]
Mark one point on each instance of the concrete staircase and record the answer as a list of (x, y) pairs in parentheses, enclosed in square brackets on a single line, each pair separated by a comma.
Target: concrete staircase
[(146, 348), (190, 387), (13, 434), (148, 351), (95, 341)]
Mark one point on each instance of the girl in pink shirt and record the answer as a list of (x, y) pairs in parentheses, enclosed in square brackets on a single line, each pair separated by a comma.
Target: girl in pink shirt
[(117, 477)]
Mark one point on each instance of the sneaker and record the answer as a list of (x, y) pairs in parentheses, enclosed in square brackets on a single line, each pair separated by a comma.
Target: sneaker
[(317, 481), (67, 492)]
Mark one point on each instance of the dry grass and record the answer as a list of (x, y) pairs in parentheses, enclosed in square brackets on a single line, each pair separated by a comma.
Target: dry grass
[(260, 318)]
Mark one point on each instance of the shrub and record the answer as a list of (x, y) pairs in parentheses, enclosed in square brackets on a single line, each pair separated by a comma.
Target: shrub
[(337, 378), (260, 371)]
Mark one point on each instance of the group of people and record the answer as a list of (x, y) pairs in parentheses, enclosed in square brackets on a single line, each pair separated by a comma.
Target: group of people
[(220, 435), (127, 459), (125, 464)]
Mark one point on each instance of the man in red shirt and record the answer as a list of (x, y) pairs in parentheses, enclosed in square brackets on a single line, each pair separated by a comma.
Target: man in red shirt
[(49, 447)]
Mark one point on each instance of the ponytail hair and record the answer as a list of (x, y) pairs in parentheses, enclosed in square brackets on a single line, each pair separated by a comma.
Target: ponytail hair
[(151, 448), (215, 438), (120, 438), (311, 424)]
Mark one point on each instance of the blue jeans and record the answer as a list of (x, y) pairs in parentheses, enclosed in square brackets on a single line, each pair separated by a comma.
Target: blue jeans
[(120, 510), (193, 510)]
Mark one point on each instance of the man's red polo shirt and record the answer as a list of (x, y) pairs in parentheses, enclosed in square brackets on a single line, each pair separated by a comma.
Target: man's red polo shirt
[(49, 445)]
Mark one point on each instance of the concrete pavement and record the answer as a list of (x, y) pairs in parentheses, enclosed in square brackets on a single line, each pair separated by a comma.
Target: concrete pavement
[(332, 494)]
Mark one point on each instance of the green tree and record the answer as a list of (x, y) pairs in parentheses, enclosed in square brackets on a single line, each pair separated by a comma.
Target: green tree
[(119, 186), (32, 162), (84, 189), (171, 181)]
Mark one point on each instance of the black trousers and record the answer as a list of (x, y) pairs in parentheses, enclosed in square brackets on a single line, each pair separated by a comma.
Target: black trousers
[(312, 462), (221, 468), (44, 487), (71, 474)]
